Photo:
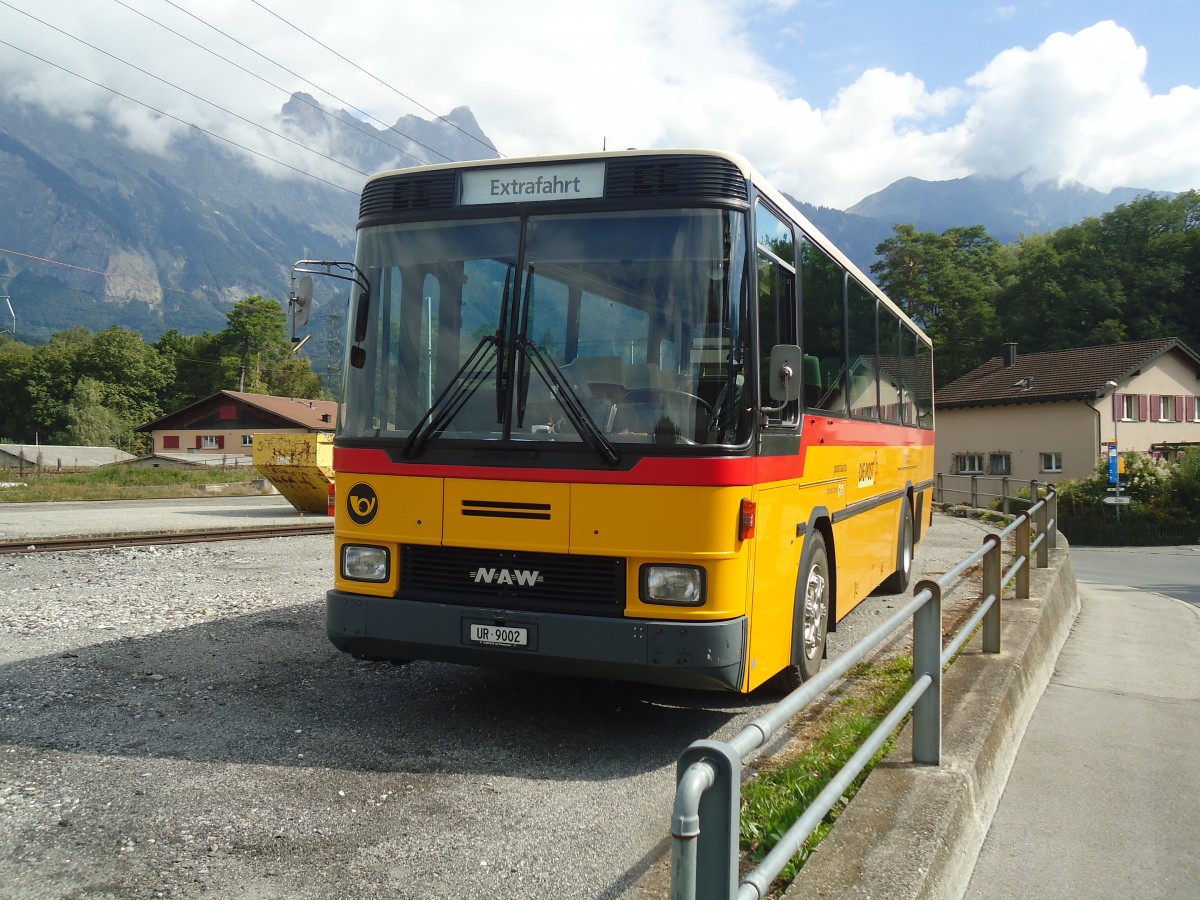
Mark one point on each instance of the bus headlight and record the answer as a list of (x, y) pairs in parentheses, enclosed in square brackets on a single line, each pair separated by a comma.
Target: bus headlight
[(673, 585), (365, 563)]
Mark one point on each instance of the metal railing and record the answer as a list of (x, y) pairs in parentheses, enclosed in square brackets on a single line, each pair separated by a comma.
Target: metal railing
[(704, 822), (970, 493)]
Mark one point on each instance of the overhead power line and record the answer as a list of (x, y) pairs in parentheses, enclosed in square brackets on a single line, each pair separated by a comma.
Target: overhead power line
[(371, 133), (375, 77), (168, 115), (318, 87), (176, 87), (56, 262)]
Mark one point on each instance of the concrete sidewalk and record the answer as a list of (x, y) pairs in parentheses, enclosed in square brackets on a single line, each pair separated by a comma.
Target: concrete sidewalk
[(915, 831), (1103, 800)]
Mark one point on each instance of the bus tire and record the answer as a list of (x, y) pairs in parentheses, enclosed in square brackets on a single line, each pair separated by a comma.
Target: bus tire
[(810, 627), (898, 581)]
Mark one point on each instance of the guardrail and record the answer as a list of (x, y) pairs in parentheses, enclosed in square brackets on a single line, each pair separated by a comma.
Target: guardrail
[(970, 492), (704, 822)]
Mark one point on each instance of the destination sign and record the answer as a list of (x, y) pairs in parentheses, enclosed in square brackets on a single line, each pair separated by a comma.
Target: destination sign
[(533, 183)]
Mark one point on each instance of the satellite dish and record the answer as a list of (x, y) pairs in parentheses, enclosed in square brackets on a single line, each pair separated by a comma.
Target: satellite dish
[(302, 301)]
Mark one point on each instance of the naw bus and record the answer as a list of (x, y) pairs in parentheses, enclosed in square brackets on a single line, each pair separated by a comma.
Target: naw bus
[(623, 415)]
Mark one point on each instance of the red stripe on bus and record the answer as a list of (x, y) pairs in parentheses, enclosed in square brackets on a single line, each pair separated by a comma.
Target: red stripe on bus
[(717, 471)]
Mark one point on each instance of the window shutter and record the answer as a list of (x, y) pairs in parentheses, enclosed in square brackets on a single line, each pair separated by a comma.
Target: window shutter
[(220, 442), (1179, 409), (1143, 407), (1190, 406), (170, 442), (199, 442), (1155, 407), (1116, 407)]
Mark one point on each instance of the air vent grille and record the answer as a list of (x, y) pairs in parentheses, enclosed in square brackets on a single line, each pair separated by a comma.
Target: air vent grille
[(541, 582), (408, 193), (684, 176)]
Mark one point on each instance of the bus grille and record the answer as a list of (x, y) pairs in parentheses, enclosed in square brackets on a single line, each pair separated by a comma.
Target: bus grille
[(685, 176), (408, 193), (539, 582)]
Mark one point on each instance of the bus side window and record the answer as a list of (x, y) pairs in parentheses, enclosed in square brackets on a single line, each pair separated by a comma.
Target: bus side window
[(776, 301), (821, 296)]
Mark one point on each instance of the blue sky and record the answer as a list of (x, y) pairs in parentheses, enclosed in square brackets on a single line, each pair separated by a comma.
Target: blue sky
[(827, 44), (832, 99)]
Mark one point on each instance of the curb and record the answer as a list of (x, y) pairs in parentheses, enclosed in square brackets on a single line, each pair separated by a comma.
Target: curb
[(915, 831)]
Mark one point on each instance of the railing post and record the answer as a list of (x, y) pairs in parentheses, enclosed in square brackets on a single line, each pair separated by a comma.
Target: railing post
[(927, 660), (1043, 550), (991, 588), (937, 490), (1052, 524), (1004, 492), (1021, 551), (704, 856), (975, 491)]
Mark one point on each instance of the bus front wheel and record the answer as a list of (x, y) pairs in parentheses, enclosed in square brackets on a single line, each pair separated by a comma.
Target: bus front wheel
[(811, 624)]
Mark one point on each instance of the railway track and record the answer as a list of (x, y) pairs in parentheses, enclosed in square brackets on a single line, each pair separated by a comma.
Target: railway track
[(143, 539)]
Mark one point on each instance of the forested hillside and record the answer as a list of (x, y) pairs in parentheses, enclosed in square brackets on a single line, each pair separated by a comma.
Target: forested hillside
[(1130, 274)]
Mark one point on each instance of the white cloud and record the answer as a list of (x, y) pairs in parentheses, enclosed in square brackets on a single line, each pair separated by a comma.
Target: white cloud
[(545, 77)]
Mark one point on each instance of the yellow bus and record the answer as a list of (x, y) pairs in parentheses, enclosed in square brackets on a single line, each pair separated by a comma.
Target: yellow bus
[(624, 415)]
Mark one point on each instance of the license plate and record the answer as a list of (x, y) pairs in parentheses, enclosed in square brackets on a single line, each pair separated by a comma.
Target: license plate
[(499, 635)]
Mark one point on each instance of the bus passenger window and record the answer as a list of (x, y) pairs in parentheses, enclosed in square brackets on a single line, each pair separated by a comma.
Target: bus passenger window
[(821, 295)]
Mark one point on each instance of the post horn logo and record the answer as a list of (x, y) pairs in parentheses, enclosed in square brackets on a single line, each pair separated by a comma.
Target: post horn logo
[(362, 503)]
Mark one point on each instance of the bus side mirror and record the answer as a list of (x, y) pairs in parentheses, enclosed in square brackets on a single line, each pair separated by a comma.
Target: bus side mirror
[(784, 373), (361, 314)]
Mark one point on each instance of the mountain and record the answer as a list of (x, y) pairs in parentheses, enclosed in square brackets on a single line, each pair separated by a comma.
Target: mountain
[(1007, 207), (159, 241), (154, 241)]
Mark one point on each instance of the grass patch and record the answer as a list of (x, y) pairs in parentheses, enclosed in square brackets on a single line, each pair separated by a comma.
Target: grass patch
[(780, 793), (127, 483)]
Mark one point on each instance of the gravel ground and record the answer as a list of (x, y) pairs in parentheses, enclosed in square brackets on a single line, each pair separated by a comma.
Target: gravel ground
[(174, 723)]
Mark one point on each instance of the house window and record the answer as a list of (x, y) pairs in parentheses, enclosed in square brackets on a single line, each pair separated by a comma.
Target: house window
[(1167, 411), (1052, 462), (968, 463), (1128, 407), (1000, 463), (247, 440), (211, 442), (1194, 408), (170, 442)]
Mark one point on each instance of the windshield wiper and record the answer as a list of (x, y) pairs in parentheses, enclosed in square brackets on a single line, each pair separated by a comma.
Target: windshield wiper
[(570, 402), (466, 381)]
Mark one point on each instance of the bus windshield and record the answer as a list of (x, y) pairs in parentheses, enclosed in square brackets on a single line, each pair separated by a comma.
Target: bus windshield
[(597, 328)]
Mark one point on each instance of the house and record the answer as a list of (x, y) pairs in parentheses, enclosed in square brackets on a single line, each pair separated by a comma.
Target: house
[(55, 456), (225, 423), (1051, 416)]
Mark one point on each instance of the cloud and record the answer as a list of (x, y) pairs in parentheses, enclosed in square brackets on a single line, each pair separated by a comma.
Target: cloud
[(1078, 109), (545, 77)]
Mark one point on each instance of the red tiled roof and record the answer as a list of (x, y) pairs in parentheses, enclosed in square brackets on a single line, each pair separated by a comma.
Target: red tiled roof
[(303, 412), (1080, 374)]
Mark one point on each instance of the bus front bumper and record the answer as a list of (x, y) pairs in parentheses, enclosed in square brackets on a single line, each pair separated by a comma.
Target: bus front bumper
[(681, 654)]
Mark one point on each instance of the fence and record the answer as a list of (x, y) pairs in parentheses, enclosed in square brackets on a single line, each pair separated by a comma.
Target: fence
[(965, 489), (704, 821)]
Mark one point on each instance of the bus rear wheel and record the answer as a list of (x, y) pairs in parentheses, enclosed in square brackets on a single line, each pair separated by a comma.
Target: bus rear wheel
[(898, 581), (811, 624)]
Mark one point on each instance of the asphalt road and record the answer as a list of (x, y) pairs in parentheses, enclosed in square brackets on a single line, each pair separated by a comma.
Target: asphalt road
[(1173, 571)]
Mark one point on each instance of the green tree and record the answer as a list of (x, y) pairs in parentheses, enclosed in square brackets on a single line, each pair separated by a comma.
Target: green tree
[(133, 375), (947, 283), (16, 360), (254, 342), (91, 422)]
